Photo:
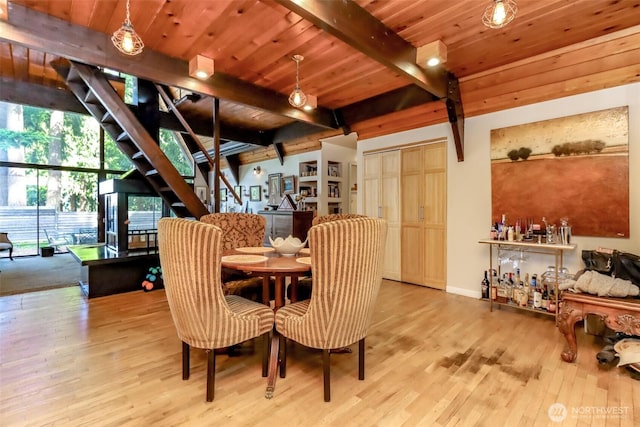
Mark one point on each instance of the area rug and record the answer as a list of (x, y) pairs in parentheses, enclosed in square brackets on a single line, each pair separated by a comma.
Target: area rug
[(29, 274)]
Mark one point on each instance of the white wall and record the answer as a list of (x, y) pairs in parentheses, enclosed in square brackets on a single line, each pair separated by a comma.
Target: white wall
[(469, 182), (290, 167)]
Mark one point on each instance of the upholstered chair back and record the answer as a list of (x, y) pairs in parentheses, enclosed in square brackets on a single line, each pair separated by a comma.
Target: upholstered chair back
[(347, 258), (190, 256), (333, 217), (239, 229)]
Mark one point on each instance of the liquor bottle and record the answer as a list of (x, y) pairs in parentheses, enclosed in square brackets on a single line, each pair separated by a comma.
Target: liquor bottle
[(532, 289), (524, 301), (502, 289), (524, 295), (485, 286), (494, 285), (537, 297), (545, 298), (509, 287)]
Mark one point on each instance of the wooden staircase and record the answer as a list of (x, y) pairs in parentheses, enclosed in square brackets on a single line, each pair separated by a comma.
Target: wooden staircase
[(94, 91)]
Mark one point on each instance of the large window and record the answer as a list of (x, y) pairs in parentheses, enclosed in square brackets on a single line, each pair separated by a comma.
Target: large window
[(49, 173), (49, 177)]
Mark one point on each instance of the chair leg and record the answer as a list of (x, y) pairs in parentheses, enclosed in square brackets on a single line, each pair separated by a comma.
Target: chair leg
[(11, 254), (265, 354), (185, 361), (211, 374), (283, 358), (325, 371), (361, 359)]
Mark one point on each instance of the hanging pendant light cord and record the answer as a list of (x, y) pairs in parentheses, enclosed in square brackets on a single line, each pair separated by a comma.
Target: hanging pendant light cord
[(128, 19)]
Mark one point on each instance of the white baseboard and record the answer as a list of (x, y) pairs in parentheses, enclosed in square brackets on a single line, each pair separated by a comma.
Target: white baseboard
[(464, 292)]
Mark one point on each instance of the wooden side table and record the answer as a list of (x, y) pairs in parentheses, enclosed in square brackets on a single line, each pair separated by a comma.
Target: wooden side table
[(619, 314)]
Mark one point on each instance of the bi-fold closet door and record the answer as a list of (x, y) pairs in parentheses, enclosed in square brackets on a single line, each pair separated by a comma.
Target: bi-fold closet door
[(408, 188), (423, 215)]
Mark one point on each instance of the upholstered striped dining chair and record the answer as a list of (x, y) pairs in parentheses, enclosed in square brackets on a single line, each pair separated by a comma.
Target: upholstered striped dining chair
[(240, 230), (205, 318), (346, 261), (305, 283)]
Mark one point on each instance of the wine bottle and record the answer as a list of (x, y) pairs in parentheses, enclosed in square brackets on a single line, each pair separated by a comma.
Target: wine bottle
[(537, 297), (545, 298), (485, 286)]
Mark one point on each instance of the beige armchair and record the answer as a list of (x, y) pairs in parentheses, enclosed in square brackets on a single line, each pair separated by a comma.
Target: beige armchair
[(240, 230), (6, 245), (190, 257), (346, 261)]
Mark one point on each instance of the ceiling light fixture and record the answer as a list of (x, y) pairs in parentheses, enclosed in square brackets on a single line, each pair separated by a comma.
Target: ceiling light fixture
[(499, 13), (4, 11), (125, 38), (297, 98), (431, 54), (257, 171), (311, 104), (201, 67)]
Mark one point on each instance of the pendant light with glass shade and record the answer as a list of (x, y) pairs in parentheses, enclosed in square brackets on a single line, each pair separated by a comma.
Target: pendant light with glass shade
[(499, 13), (125, 39), (297, 98)]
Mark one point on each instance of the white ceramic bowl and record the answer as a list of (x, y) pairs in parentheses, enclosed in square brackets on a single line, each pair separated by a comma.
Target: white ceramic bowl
[(287, 247)]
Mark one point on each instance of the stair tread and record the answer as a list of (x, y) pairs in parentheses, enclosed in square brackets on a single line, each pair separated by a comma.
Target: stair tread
[(107, 118), (124, 136)]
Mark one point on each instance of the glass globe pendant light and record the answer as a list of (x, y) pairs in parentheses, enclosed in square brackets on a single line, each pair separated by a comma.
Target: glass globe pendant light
[(499, 13), (125, 39), (297, 98)]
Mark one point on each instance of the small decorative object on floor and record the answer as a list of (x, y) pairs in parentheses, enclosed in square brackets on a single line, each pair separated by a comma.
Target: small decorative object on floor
[(153, 279)]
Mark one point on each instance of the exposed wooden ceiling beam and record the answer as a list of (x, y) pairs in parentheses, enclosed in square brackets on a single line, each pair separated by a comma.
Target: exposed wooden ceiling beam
[(353, 25), (294, 131), (25, 93), (456, 117), (17, 92), (386, 103), (33, 29)]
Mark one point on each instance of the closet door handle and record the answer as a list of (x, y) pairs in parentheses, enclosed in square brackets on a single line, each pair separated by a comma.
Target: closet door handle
[(379, 211), (421, 213)]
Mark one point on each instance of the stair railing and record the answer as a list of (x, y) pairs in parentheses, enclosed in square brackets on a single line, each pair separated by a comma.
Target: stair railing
[(211, 161)]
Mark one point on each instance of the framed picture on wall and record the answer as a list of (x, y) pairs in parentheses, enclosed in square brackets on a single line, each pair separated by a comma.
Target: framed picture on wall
[(223, 195), (275, 189), (255, 193), (289, 184), (202, 194), (238, 190)]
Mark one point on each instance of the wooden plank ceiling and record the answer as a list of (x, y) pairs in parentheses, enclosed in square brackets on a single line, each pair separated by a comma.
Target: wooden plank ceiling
[(357, 58)]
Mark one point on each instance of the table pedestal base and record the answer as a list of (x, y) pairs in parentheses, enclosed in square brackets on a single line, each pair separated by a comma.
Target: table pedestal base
[(274, 362)]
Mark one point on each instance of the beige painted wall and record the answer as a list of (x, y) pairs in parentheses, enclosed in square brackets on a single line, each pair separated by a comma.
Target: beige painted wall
[(469, 182)]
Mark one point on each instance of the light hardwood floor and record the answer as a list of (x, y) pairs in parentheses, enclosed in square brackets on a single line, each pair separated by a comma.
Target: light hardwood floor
[(433, 359)]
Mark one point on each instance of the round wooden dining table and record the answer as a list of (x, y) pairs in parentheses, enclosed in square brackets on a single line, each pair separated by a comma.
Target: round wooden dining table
[(277, 266), (274, 265)]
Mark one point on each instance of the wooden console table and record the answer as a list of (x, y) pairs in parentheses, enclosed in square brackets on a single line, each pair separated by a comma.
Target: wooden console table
[(619, 314)]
